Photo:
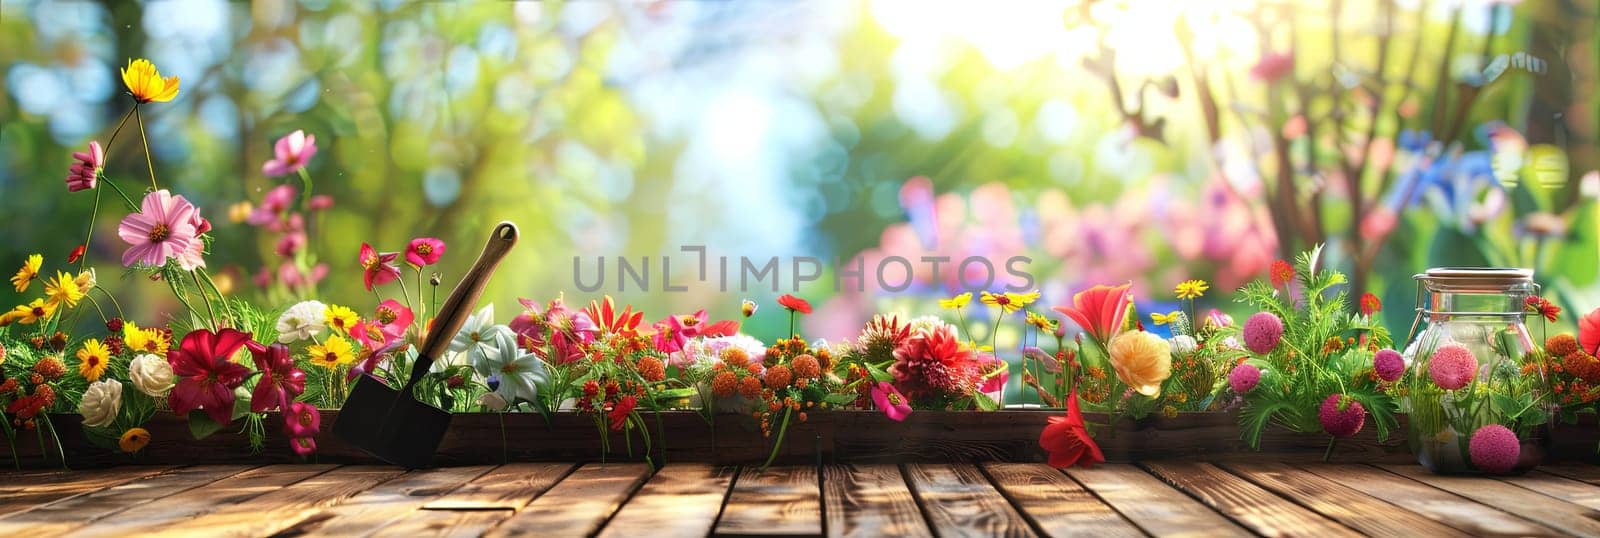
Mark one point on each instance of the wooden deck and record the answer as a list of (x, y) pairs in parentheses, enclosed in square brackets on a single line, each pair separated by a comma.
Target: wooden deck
[(626, 499)]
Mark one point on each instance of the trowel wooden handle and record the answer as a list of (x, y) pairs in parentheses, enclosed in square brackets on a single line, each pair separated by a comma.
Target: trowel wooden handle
[(458, 306)]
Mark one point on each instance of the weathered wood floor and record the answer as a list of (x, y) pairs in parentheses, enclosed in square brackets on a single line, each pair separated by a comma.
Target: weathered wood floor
[(554, 499)]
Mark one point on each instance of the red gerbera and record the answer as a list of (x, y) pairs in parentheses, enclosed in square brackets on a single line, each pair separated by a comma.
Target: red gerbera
[(794, 304), (1543, 307), (1370, 304), (1282, 273), (1068, 441), (618, 415), (206, 378)]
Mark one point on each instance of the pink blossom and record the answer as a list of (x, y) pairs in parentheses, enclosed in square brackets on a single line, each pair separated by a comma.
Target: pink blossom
[(290, 243), (424, 251), (292, 151), (320, 202), (163, 229), (889, 400), (274, 204), (84, 174), (1273, 66), (378, 268)]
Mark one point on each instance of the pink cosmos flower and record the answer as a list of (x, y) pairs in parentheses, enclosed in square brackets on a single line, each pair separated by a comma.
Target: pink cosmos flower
[(272, 205), (424, 251), (379, 268), (889, 400), (387, 324), (673, 332), (290, 243), (292, 151), (205, 376), (294, 278), (86, 172), (1273, 66), (162, 229), (321, 202)]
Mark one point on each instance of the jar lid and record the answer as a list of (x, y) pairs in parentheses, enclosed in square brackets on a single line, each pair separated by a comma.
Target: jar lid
[(1475, 279)]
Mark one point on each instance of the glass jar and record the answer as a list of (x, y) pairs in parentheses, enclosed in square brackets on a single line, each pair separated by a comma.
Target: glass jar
[(1467, 374)]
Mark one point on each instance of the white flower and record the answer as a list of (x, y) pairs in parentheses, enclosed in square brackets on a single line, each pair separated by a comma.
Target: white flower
[(520, 374), (101, 403), (493, 402), (150, 374), (1184, 343), (302, 321), (477, 330)]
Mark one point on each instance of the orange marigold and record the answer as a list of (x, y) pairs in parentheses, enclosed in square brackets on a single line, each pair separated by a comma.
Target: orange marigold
[(1561, 345), (724, 384), (806, 367), (750, 387), (753, 368), (778, 376), (735, 357), (50, 368), (652, 370), (1582, 366)]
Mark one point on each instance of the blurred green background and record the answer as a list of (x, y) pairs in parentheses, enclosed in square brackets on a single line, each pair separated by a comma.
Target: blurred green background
[(1143, 141)]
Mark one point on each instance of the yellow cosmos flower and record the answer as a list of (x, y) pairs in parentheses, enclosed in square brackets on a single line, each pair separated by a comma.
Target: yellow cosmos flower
[(1009, 302), (146, 84), (1190, 289), (28, 272), (28, 314), (93, 359), (63, 289), (956, 303), (151, 341), (1163, 319), (340, 318), (134, 440), (332, 353)]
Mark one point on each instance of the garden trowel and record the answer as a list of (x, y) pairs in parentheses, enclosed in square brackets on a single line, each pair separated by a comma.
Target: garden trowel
[(392, 424)]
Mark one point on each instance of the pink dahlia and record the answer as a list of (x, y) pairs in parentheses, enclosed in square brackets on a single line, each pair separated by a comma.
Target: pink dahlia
[(934, 363), (164, 228), (1494, 448), (1262, 332), (1244, 378), (85, 173), (1453, 366), (1341, 415), (1388, 365), (290, 154)]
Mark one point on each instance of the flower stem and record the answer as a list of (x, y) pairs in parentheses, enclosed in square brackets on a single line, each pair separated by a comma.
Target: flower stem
[(113, 298), (145, 139), (94, 214), (211, 313), (305, 178), (783, 429), (227, 309), (106, 149)]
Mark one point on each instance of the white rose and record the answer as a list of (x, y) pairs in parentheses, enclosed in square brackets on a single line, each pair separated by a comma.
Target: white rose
[(150, 374), (101, 403), (301, 322), (493, 401), (1184, 343)]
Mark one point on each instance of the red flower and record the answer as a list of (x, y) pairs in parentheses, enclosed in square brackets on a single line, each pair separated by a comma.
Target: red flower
[(424, 251), (1099, 310), (1370, 304), (893, 404), (935, 363), (1589, 332), (280, 380), (618, 415), (379, 268), (77, 253), (1068, 441), (1543, 307), (725, 327), (794, 304), (302, 420), (611, 321), (1282, 273), (206, 378)]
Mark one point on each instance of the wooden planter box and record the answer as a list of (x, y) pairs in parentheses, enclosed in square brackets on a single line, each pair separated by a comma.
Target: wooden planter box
[(827, 437)]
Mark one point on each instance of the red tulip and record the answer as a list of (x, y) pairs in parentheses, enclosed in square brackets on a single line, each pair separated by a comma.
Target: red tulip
[(1068, 441)]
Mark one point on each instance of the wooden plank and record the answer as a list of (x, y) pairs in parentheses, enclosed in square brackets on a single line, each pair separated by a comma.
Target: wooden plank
[(959, 501), (1560, 515), (1055, 504), (285, 509), (1350, 507), (580, 504), (1580, 472), (55, 486), (682, 499), (1248, 504), (779, 501), (74, 512), (1573, 491), (482, 503), (1433, 503), (1151, 504), (372, 509), (156, 516), (870, 500)]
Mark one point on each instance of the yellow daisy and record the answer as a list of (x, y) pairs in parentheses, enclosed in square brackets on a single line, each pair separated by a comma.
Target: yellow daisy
[(28, 314), (63, 289), (956, 303), (28, 272), (1009, 302), (1041, 322), (134, 440), (146, 84), (1190, 289), (93, 359), (340, 318), (331, 353), (152, 341), (1163, 319)]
